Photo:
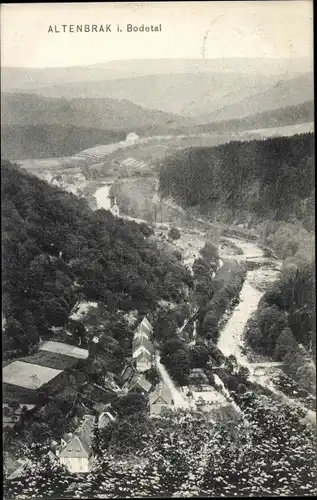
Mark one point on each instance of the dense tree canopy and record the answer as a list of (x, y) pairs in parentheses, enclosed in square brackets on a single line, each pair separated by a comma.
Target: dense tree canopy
[(57, 251), (269, 179)]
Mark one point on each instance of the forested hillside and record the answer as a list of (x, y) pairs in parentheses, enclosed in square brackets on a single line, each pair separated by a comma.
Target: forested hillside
[(102, 113), (256, 180), (300, 113), (19, 142), (284, 325), (56, 251)]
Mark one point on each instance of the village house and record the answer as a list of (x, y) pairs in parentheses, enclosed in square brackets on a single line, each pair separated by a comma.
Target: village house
[(105, 414), (28, 383), (144, 329), (138, 383), (159, 399), (131, 138), (143, 360), (207, 398), (142, 347), (105, 418), (141, 344), (76, 452)]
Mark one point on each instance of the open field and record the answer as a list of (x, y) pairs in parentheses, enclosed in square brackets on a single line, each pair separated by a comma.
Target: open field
[(28, 375), (65, 349), (286, 130)]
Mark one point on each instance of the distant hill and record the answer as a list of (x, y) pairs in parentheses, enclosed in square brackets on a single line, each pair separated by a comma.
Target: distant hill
[(282, 94), (301, 113), (19, 142), (27, 79), (107, 114), (185, 94), (237, 65)]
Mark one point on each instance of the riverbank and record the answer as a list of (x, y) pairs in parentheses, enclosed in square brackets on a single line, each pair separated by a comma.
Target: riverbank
[(232, 341)]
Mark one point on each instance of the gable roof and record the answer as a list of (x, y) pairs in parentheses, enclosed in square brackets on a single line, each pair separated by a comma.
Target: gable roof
[(101, 407), (145, 327), (141, 381), (105, 418), (139, 335), (142, 342), (161, 395), (142, 354), (79, 445)]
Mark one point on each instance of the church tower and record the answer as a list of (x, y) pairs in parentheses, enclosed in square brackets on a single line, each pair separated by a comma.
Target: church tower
[(114, 207)]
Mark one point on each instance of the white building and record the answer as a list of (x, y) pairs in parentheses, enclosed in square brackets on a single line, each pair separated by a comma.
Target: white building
[(142, 347), (159, 399), (145, 329), (76, 453), (115, 210), (131, 138)]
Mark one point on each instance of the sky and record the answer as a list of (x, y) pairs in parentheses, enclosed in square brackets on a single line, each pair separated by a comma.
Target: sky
[(267, 29)]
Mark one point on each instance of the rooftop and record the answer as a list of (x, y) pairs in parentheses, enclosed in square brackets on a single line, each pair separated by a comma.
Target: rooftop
[(161, 394), (142, 342), (80, 444), (142, 353), (105, 418), (28, 375), (141, 381), (61, 348), (144, 329)]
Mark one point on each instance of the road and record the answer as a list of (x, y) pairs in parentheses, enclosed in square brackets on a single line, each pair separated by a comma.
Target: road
[(180, 401)]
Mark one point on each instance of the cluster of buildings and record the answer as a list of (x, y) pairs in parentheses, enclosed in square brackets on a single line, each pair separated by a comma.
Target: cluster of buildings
[(29, 380), (74, 450), (132, 376), (46, 369)]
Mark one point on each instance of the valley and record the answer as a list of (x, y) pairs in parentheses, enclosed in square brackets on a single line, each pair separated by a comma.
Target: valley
[(158, 279), (231, 341)]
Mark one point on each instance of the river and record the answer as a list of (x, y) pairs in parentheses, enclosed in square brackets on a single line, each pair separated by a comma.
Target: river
[(230, 341), (102, 197), (231, 336)]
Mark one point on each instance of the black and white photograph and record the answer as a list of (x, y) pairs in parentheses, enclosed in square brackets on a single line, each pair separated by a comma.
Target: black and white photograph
[(158, 249)]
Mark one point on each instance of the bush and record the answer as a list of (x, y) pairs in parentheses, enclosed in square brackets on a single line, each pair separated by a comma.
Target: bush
[(178, 255), (133, 402), (209, 252), (174, 233), (146, 230)]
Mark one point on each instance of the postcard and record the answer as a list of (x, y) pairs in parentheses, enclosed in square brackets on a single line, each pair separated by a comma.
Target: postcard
[(158, 241)]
